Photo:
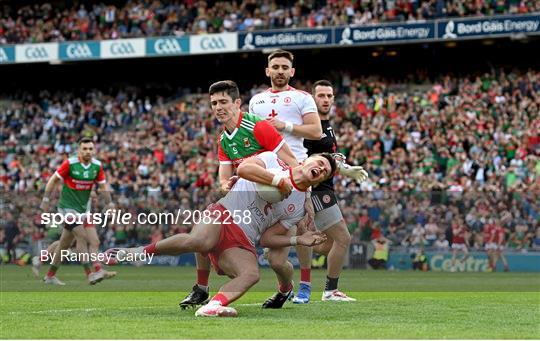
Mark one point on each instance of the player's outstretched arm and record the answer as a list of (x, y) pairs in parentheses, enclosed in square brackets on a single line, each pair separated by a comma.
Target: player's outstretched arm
[(276, 237)]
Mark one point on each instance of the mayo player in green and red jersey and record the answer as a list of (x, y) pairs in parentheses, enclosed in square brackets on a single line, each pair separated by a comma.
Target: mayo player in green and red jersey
[(244, 135), (79, 174)]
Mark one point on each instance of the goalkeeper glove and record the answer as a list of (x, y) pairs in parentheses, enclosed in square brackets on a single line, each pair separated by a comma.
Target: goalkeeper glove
[(357, 173)]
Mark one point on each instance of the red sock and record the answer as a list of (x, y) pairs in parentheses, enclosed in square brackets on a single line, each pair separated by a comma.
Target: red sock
[(151, 249), (97, 266), (285, 288), (305, 275), (202, 277), (87, 271), (51, 273), (221, 298)]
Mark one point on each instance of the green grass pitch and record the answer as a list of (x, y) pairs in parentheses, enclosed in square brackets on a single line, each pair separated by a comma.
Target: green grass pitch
[(142, 303)]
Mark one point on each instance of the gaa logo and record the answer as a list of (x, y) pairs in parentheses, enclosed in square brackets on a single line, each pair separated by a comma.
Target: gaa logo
[(208, 43), (290, 208), (326, 199), (122, 49), (3, 56), (36, 53), (165, 46), (78, 51)]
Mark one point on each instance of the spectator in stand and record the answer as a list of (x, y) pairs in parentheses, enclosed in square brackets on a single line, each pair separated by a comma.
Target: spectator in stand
[(441, 244)]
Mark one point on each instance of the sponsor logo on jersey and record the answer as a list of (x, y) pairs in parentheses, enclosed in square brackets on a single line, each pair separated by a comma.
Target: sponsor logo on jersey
[(246, 142)]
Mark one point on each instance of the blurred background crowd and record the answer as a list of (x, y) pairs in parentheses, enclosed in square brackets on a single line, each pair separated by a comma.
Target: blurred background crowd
[(87, 20), (454, 148)]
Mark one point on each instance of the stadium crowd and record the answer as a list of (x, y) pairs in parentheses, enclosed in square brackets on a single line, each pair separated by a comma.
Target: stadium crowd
[(454, 149), (54, 21)]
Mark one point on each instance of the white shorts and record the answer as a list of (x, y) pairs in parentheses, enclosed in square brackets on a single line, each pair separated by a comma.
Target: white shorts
[(491, 246), (328, 217), (459, 246)]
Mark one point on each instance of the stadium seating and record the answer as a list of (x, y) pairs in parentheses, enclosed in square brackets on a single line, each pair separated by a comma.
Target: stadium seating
[(455, 147), (53, 21)]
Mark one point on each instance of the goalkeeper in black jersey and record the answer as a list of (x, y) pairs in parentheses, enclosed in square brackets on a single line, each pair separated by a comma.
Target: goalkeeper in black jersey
[(328, 217)]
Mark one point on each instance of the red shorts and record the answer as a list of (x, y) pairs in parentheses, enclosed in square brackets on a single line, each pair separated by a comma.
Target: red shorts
[(231, 236)]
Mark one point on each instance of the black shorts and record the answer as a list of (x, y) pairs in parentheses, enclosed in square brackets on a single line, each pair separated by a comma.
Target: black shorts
[(323, 199)]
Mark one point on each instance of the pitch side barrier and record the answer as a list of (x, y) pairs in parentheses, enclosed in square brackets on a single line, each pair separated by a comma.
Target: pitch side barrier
[(517, 26)]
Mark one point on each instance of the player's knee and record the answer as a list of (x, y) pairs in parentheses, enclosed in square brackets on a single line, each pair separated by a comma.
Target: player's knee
[(251, 277), (343, 238), (277, 263)]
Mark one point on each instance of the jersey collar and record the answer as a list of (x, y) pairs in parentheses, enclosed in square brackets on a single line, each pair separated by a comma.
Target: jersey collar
[(82, 164), (231, 135), (289, 88), (294, 183)]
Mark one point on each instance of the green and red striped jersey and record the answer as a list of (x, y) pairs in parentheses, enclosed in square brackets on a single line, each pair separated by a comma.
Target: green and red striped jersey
[(78, 182), (252, 135)]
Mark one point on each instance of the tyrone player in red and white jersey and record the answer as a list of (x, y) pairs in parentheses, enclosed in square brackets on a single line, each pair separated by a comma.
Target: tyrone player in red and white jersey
[(459, 242), (294, 114), (489, 242), (230, 243), (499, 238)]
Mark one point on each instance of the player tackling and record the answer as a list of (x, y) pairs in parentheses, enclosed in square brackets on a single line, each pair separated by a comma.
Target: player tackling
[(231, 246)]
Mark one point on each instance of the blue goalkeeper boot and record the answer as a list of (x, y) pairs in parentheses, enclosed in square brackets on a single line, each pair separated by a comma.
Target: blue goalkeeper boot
[(304, 293)]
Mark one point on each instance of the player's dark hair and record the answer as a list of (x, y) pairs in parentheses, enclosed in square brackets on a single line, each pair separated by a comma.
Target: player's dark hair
[(281, 53), (321, 82), (85, 140), (229, 87), (331, 160)]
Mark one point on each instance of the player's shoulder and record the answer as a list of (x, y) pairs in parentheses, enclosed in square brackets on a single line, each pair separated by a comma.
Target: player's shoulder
[(73, 160), (259, 97), (96, 162), (299, 92), (250, 118)]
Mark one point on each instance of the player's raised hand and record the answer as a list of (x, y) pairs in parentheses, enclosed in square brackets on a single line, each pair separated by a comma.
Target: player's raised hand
[(311, 238), (285, 187), (276, 123)]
